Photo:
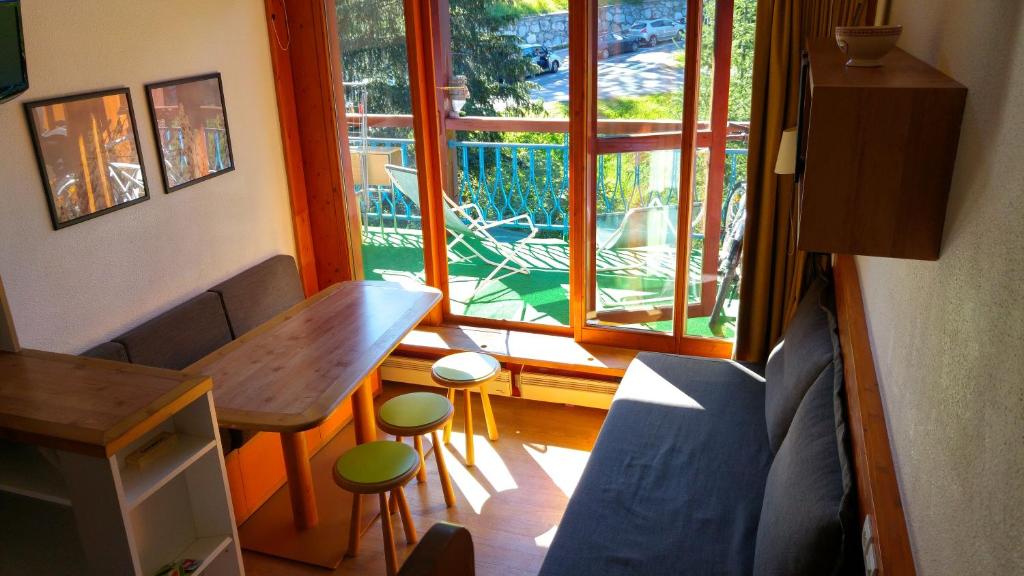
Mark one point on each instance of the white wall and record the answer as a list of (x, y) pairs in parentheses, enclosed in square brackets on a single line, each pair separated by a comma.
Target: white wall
[(948, 336), (73, 288)]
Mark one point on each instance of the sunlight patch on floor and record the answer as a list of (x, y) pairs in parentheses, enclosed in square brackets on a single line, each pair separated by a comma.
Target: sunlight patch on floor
[(563, 465), (544, 540), (488, 464)]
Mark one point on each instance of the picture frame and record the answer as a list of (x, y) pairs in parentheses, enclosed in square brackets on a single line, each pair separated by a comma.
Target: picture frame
[(190, 125), (88, 153)]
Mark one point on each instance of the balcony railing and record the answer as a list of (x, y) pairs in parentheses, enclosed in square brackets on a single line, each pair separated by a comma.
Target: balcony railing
[(508, 179)]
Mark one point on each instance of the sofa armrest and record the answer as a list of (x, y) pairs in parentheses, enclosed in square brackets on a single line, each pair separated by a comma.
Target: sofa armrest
[(446, 549)]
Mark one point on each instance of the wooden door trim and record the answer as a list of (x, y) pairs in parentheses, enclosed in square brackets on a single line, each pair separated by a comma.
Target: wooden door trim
[(284, 87), (687, 156)]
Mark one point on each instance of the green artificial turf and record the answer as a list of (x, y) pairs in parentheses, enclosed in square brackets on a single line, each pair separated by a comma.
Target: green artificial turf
[(542, 296)]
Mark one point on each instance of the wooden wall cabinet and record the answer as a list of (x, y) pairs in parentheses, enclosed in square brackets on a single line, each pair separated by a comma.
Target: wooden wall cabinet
[(878, 147)]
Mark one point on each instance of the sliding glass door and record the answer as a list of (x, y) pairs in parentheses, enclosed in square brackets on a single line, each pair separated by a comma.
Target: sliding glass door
[(598, 196)]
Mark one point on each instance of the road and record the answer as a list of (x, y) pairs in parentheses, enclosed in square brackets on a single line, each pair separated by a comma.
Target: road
[(646, 71)]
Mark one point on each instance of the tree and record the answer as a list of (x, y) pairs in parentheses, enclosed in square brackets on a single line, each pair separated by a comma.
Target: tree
[(372, 38)]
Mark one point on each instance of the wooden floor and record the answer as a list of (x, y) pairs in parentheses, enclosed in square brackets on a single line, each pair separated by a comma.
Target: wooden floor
[(511, 501)]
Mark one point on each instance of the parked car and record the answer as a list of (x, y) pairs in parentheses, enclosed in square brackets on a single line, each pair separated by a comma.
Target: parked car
[(612, 43), (654, 31), (541, 56)]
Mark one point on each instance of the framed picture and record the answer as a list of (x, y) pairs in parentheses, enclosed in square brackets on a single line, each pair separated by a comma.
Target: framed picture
[(191, 128), (88, 152)]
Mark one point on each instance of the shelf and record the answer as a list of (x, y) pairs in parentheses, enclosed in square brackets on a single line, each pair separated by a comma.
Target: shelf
[(26, 472), (205, 550), (140, 484)]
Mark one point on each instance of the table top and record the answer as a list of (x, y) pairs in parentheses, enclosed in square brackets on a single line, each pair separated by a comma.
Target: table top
[(290, 373), (87, 405)]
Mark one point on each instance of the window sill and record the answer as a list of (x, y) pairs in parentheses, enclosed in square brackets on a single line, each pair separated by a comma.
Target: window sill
[(517, 347)]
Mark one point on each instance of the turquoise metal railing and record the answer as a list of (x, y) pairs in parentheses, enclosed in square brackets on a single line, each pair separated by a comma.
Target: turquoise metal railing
[(508, 179)]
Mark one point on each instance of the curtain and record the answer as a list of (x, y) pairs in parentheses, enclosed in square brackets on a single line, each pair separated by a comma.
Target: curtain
[(773, 270)]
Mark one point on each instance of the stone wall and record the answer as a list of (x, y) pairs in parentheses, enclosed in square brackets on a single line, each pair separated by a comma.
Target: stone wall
[(552, 29)]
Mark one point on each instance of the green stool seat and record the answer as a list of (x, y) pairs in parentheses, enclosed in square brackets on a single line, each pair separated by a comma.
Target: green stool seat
[(414, 413), (376, 467), (417, 414)]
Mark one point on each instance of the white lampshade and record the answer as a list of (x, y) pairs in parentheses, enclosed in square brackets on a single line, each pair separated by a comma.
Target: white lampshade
[(786, 162)]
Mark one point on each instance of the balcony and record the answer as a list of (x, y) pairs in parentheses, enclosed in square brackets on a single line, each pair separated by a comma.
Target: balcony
[(511, 179)]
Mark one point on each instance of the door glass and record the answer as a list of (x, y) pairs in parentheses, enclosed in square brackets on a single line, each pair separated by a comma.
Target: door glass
[(378, 116), (640, 106), (507, 194), (714, 294)]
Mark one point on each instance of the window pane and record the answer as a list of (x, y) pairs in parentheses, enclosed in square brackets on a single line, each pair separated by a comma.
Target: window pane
[(375, 70), (717, 314), (507, 202), (640, 67), (635, 262)]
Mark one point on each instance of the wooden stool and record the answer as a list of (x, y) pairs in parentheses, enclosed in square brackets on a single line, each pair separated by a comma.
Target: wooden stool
[(414, 415), (465, 371), (378, 468)]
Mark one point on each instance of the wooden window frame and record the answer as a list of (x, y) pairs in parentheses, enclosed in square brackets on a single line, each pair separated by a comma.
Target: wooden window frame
[(325, 214)]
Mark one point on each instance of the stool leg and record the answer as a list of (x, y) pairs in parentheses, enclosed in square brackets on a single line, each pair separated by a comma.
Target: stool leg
[(470, 459), (403, 510), (353, 528), (390, 555), (448, 426), (492, 428), (442, 471), (421, 476), (391, 501)]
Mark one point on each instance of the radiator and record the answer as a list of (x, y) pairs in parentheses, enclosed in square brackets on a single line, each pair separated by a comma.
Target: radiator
[(575, 390), (417, 371)]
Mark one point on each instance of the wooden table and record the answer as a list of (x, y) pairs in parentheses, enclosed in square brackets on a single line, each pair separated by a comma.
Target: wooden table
[(292, 372)]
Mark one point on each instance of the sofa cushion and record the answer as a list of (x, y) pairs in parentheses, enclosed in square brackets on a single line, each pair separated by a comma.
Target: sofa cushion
[(180, 336), (108, 351), (808, 520), (675, 480), (806, 349), (260, 293)]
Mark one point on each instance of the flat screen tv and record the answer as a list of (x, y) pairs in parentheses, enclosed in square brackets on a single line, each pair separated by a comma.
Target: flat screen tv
[(13, 71)]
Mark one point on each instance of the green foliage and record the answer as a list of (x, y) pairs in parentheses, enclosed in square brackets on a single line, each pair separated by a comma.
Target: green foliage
[(742, 77), (520, 8), (372, 38)]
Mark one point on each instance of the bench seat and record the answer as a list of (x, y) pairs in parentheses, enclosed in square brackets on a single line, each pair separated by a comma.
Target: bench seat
[(676, 480)]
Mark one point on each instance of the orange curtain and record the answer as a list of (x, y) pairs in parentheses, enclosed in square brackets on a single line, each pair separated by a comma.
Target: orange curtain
[(773, 269)]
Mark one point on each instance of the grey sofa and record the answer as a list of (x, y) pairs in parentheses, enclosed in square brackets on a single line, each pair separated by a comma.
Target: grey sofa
[(190, 331), (707, 467)]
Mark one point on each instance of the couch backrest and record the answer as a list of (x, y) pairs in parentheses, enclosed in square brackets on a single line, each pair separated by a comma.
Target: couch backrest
[(808, 522), (260, 293), (804, 352), (108, 351), (180, 336)]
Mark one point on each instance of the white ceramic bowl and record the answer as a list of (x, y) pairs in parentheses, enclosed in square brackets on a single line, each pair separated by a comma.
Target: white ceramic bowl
[(866, 45)]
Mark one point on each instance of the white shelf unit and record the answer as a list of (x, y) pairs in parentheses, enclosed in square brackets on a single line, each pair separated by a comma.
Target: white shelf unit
[(131, 520), (178, 507)]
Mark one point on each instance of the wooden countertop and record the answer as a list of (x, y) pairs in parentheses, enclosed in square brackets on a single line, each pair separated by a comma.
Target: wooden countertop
[(290, 373), (86, 405)]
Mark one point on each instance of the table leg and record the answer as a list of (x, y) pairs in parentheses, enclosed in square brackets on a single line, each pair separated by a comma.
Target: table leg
[(362, 410), (300, 480)]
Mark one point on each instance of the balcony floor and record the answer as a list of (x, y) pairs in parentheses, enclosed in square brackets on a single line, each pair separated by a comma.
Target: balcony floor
[(542, 296)]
